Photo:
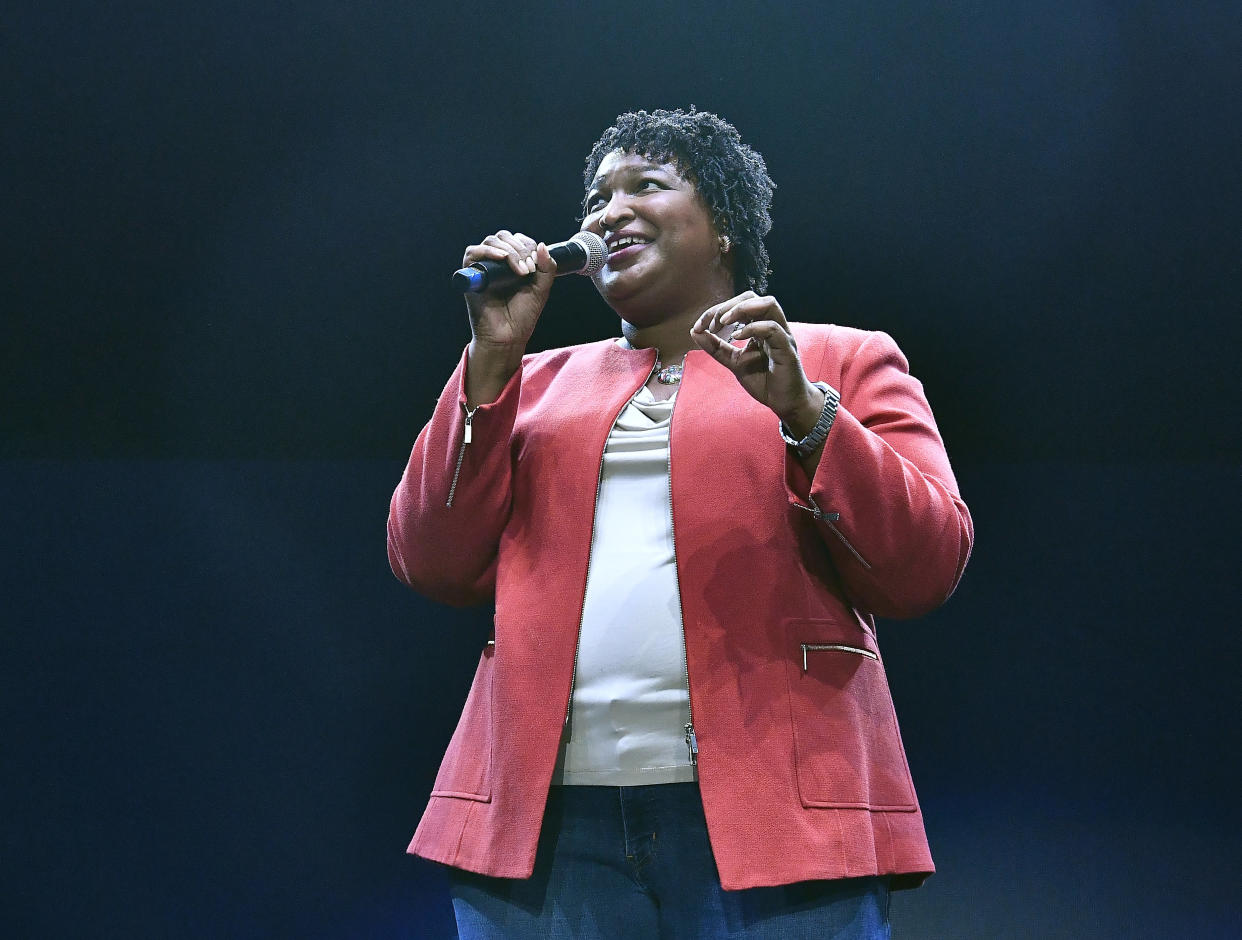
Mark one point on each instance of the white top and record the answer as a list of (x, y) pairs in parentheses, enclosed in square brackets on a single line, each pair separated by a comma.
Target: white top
[(631, 700)]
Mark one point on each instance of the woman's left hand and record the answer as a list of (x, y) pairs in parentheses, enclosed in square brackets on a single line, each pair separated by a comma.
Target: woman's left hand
[(767, 365)]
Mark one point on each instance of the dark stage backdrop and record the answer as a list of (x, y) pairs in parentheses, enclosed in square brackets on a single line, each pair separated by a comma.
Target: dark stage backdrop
[(226, 313)]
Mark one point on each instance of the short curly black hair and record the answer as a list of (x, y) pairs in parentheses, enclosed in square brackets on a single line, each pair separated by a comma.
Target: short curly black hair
[(731, 177)]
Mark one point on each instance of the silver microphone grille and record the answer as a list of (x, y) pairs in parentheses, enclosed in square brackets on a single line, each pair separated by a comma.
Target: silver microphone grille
[(597, 252)]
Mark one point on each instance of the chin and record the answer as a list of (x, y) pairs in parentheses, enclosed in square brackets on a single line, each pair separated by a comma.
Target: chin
[(614, 294), (628, 286)]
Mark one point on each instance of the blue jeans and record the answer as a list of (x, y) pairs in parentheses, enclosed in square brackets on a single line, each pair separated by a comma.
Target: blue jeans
[(635, 862)]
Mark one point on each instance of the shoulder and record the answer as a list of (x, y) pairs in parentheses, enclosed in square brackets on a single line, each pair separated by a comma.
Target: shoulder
[(830, 348), (555, 359)]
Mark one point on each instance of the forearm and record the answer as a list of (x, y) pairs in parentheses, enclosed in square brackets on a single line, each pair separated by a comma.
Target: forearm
[(896, 526), (883, 491), (488, 371), (452, 503)]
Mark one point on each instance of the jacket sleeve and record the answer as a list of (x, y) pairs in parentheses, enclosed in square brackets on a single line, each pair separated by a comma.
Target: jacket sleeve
[(883, 493), (451, 506)]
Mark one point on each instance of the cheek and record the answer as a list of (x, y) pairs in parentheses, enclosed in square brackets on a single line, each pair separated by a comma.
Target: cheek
[(692, 232), (694, 242)]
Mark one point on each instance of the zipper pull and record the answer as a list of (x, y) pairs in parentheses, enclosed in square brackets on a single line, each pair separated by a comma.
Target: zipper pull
[(461, 453), (818, 513), (692, 744)]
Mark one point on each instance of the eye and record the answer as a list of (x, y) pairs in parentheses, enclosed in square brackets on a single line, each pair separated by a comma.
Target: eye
[(648, 184), (593, 202)]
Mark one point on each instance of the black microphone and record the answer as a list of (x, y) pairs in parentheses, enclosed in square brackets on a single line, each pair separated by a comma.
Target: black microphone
[(585, 253)]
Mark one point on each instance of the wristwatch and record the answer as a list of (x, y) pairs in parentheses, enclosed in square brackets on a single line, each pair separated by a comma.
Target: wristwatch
[(806, 446)]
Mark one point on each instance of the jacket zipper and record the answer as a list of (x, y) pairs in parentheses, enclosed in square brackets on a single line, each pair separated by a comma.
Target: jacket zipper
[(461, 452), (829, 519), (692, 741), (599, 483)]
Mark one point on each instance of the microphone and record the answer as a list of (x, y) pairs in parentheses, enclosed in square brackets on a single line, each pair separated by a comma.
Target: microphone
[(585, 253)]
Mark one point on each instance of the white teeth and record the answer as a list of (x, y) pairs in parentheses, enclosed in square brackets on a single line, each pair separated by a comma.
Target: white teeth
[(625, 242)]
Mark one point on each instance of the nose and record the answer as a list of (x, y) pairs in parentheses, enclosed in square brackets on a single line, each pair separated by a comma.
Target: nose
[(616, 212)]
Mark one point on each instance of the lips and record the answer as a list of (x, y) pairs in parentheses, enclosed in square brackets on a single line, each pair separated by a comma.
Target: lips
[(624, 245)]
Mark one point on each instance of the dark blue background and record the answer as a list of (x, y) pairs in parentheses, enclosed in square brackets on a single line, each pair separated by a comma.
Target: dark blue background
[(226, 313)]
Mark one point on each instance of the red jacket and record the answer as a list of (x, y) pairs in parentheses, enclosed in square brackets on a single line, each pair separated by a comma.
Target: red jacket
[(801, 767)]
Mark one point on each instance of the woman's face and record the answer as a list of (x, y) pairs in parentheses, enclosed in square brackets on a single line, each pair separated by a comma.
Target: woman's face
[(664, 251)]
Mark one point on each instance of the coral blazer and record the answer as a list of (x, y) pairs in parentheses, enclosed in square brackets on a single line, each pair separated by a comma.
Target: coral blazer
[(801, 767)]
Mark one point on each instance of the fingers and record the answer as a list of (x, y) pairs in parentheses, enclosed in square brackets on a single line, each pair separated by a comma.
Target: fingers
[(520, 249), (744, 308), (513, 247), (709, 319), (738, 359), (748, 316), (772, 337), (710, 342), (543, 260)]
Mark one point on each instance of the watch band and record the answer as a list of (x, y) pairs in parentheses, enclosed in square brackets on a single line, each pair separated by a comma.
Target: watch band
[(818, 434)]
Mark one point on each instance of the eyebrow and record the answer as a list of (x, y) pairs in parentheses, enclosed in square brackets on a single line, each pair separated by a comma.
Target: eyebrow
[(639, 168)]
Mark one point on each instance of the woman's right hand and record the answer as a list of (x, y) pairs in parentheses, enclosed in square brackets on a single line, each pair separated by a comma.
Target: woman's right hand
[(502, 320), (505, 318)]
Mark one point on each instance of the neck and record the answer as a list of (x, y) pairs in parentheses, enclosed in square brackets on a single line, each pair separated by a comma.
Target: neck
[(672, 344), (670, 334)]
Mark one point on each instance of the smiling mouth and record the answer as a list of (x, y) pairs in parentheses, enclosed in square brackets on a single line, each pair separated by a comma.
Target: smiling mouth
[(624, 247)]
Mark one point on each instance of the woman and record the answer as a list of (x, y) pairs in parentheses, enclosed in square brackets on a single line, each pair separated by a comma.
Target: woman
[(682, 725)]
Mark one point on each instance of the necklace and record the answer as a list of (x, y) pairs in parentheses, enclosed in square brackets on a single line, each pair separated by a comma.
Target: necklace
[(668, 375)]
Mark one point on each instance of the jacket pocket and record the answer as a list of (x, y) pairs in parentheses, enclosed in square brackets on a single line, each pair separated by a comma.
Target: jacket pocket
[(466, 771), (847, 749)]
